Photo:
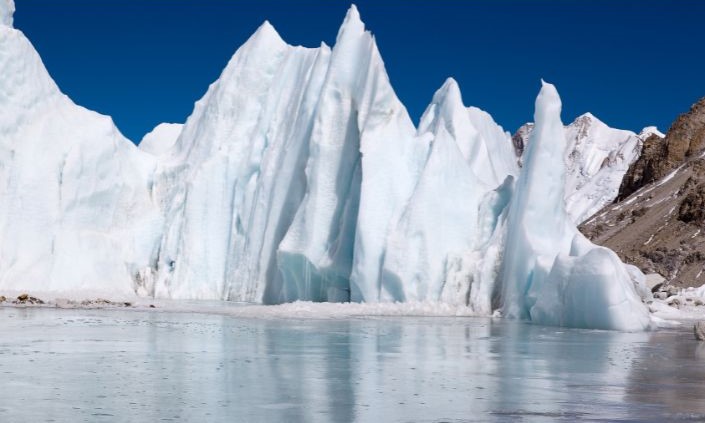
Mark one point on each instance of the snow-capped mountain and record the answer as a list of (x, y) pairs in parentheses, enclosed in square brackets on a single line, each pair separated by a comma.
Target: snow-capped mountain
[(597, 157), (299, 175)]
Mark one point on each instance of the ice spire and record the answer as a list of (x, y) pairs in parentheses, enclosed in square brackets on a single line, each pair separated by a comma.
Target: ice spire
[(551, 274), (7, 9), (352, 22)]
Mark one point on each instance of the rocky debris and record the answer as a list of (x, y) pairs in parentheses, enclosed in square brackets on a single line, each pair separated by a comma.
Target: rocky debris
[(27, 299), (2, 299), (660, 295), (95, 303), (692, 207), (699, 330), (654, 281), (519, 140)]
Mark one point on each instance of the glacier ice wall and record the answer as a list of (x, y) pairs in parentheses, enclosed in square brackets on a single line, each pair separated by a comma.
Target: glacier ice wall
[(75, 196), (298, 176)]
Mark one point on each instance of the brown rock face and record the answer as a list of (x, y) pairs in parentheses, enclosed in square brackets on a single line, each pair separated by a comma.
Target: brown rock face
[(692, 207), (658, 223), (685, 139)]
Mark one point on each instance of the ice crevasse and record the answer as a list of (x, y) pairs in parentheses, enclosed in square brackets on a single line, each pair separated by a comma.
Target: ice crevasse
[(298, 176)]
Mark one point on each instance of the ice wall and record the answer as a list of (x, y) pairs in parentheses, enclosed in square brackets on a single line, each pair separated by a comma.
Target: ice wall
[(75, 201), (434, 251)]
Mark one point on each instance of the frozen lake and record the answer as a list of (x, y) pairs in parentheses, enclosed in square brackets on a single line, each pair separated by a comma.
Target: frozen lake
[(112, 365)]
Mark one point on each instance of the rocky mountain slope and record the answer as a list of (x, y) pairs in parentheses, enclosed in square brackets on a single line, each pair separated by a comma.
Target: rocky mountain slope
[(658, 221)]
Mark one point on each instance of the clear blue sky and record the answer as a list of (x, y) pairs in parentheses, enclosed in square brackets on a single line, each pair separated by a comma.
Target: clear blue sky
[(631, 63)]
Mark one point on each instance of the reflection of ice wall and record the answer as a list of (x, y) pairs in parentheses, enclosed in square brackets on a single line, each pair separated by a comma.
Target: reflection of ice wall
[(299, 175)]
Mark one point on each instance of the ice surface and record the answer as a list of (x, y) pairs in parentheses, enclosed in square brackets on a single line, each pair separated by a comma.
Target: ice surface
[(159, 365), (300, 176)]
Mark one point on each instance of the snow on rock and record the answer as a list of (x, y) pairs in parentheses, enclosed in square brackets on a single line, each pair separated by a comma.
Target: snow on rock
[(75, 202), (7, 9), (649, 131), (161, 139), (551, 274), (597, 157)]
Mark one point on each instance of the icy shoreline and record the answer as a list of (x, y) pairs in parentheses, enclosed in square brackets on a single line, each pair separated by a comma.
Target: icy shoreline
[(663, 312), (298, 309)]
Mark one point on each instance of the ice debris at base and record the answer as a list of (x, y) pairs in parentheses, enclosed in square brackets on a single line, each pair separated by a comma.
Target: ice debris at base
[(299, 176)]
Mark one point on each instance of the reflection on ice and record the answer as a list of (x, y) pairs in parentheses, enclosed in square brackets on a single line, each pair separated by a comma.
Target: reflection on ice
[(72, 365)]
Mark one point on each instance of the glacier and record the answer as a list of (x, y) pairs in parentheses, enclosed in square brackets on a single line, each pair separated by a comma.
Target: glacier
[(300, 176)]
